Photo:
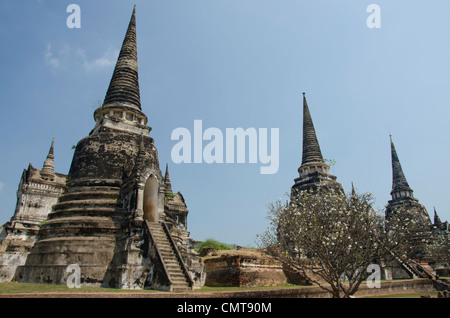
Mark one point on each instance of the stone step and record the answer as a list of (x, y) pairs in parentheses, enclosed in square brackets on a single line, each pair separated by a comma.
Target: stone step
[(92, 188), (101, 202), (180, 287), (86, 212), (161, 238), (81, 226), (174, 267), (180, 284), (164, 245), (179, 279), (177, 274), (83, 195), (170, 255)]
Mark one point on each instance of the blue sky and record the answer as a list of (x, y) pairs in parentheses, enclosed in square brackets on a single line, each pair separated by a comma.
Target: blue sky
[(237, 64)]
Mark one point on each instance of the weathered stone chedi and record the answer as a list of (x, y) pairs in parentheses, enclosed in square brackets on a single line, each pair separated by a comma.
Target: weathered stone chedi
[(314, 173), (117, 219), (38, 191)]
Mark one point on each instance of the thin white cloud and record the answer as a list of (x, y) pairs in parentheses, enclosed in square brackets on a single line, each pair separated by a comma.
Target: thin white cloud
[(1, 185), (52, 61), (108, 59), (66, 56)]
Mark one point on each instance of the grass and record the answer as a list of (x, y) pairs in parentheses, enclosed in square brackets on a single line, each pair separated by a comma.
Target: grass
[(206, 289), (26, 288)]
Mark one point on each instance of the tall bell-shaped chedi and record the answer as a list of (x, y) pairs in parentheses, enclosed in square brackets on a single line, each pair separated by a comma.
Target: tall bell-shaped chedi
[(111, 221), (404, 202), (314, 173), (402, 194)]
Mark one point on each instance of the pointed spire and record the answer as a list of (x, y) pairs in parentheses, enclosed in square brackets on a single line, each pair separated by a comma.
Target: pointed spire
[(166, 176), (167, 180), (48, 171), (311, 149), (353, 196), (437, 220), (124, 86), (50, 152), (399, 182), (314, 173)]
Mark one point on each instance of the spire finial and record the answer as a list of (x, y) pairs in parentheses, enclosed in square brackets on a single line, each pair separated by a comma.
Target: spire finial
[(437, 220), (51, 147), (166, 176), (167, 180), (48, 171)]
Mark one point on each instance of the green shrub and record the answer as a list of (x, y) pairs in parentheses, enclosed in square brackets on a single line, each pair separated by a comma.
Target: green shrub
[(211, 243)]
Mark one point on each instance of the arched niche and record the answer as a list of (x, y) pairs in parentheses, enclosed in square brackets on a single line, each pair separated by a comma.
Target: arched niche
[(150, 204)]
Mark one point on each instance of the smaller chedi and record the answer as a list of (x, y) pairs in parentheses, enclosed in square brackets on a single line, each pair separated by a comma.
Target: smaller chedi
[(425, 233), (38, 191), (114, 214)]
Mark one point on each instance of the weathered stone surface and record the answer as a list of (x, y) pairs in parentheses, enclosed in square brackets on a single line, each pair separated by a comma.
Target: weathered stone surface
[(209, 251), (243, 269)]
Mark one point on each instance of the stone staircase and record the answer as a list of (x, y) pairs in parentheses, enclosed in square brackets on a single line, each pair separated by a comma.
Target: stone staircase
[(418, 269), (424, 269), (175, 270)]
